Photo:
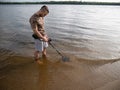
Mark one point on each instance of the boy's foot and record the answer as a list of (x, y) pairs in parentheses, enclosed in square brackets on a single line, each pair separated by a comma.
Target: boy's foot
[(39, 62), (44, 54), (36, 59)]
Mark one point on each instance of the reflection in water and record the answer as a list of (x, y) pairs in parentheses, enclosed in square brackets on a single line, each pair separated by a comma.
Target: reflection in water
[(44, 74)]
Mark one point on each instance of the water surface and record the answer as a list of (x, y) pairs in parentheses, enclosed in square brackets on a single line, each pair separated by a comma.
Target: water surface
[(82, 30), (88, 34)]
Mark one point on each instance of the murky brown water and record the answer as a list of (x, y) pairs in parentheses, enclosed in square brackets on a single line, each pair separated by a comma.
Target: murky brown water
[(24, 74)]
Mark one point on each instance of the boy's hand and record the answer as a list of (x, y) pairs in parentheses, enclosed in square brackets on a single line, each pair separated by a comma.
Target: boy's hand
[(45, 39), (49, 40)]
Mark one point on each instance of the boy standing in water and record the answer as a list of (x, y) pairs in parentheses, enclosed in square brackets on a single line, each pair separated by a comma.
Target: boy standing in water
[(37, 25)]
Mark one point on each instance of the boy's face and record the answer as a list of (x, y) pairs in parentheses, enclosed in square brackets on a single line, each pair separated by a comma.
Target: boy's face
[(45, 13)]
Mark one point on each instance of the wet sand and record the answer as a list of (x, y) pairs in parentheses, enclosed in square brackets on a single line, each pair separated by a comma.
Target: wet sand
[(23, 73)]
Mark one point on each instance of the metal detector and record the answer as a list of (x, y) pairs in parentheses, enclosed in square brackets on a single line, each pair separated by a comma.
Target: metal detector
[(64, 58)]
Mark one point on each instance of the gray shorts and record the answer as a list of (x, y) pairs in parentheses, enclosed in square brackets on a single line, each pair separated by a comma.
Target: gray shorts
[(40, 45)]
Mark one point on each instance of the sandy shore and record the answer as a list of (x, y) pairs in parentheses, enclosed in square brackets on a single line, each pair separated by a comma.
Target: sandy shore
[(79, 74)]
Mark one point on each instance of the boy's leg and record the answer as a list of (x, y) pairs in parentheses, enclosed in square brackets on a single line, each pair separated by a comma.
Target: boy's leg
[(38, 48), (45, 45), (36, 55), (44, 52)]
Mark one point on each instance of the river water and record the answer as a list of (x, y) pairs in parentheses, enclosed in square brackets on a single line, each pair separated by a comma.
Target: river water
[(87, 32), (82, 30)]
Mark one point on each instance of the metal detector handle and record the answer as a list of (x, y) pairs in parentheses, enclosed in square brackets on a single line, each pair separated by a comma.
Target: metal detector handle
[(55, 49)]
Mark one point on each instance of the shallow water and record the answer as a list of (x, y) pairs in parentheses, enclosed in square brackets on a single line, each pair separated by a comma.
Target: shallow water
[(78, 74), (88, 35)]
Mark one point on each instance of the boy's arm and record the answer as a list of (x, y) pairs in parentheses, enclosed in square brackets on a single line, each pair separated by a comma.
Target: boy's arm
[(35, 30)]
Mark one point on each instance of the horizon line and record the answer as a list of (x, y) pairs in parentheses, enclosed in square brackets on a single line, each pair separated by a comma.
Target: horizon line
[(64, 2)]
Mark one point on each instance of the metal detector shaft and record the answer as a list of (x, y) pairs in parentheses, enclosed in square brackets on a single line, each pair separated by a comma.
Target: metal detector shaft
[(56, 49), (63, 57)]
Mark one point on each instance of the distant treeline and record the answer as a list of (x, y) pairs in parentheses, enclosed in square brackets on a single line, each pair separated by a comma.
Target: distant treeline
[(65, 2)]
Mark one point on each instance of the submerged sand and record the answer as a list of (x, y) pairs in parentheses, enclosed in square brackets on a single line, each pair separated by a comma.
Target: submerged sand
[(23, 73)]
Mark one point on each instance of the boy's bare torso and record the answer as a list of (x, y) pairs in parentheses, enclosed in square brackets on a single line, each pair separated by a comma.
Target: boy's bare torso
[(39, 21)]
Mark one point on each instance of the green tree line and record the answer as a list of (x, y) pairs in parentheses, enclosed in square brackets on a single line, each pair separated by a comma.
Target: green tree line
[(65, 2)]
